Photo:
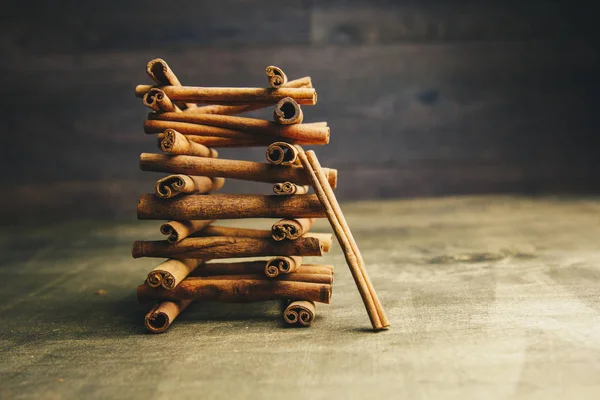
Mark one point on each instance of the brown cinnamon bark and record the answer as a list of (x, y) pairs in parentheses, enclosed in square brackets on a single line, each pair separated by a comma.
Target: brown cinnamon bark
[(158, 101), (162, 74), (300, 313), (217, 247), (173, 185), (254, 267), (287, 188), (288, 112), (162, 315), (295, 277), (276, 76), (234, 169), (179, 230), (174, 142), (282, 153), (189, 122), (172, 272), (282, 265), (233, 232), (234, 96), (229, 206), (291, 229), (237, 291)]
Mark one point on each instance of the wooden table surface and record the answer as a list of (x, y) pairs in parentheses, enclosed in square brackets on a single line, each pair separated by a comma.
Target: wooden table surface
[(489, 297)]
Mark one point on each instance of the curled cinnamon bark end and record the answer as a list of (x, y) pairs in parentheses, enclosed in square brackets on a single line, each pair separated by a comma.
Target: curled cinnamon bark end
[(282, 265), (158, 101), (179, 230), (160, 317), (300, 313), (174, 142), (282, 153), (163, 75), (287, 111), (155, 278), (288, 188), (173, 185), (276, 76), (291, 229)]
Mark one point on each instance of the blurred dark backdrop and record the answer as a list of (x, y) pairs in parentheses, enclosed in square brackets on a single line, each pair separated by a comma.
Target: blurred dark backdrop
[(423, 97)]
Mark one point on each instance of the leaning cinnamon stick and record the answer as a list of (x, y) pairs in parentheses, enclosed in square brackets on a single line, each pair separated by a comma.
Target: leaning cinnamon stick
[(173, 185), (288, 112), (282, 153), (229, 206), (225, 247), (234, 169), (162, 315), (237, 291), (179, 230), (174, 142), (291, 229), (254, 267), (283, 265), (300, 313), (304, 133), (287, 188), (162, 74), (157, 100), (171, 272), (233, 96), (276, 76)]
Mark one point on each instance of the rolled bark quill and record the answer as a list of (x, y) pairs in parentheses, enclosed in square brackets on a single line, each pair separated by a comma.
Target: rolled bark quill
[(283, 265), (157, 100), (344, 235), (291, 229), (294, 277), (276, 76), (171, 272), (216, 247), (237, 291), (229, 206), (253, 267), (288, 112), (282, 153), (162, 315), (300, 313), (233, 96), (188, 124), (162, 74), (230, 110), (173, 185), (179, 230), (288, 188), (174, 142), (234, 169)]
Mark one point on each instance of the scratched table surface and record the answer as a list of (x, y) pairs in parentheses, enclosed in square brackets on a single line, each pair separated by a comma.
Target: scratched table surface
[(489, 297)]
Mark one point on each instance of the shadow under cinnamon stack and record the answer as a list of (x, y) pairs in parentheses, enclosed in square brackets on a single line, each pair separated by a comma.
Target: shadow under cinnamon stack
[(190, 123)]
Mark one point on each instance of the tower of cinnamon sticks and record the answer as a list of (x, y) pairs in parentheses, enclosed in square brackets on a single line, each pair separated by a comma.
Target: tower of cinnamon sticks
[(197, 254)]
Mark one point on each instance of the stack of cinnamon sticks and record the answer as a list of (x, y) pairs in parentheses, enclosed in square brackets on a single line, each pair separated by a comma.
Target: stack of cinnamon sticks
[(191, 122)]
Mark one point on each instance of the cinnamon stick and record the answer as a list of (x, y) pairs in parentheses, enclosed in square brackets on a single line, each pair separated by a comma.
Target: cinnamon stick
[(216, 247), (253, 267), (189, 122), (291, 229), (173, 185), (288, 188), (157, 100), (174, 142), (162, 74), (233, 96), (237, 291), (162, 315), (234, 169), (229, 206), (179, 230), (294, 276), (213, 230), (171, 272), (300, 313), (282, 153), (276, 76), (288, 112), (283, 265)]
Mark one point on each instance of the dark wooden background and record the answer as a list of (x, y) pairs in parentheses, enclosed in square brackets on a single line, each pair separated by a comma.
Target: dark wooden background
[(423, 98)]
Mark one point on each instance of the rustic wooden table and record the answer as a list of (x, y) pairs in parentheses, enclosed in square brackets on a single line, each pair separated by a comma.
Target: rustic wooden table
[(489, 297)]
